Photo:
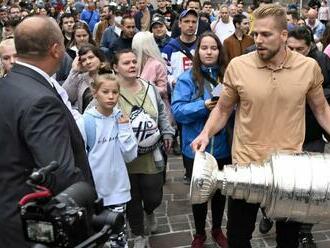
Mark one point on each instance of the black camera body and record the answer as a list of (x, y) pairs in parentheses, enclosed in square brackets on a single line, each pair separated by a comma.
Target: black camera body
[(73, 218), (54, 224), (64, 220)]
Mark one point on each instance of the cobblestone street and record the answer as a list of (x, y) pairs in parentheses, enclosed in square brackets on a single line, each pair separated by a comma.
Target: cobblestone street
[(175, 218)]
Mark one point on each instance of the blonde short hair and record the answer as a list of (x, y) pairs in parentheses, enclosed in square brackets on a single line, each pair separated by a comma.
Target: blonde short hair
[(273, 10), (6, 43)]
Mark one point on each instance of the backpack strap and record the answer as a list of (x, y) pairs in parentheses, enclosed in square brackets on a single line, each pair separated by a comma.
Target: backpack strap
[(90, 130), (144, 98)]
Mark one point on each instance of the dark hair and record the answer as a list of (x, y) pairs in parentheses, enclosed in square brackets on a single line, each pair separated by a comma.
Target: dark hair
[(206, 15), (12, 23), (105, 72), (125, 17), (326, 36), (116, 56), (197, 63), (96, 51), (302, 33), (196, 1), (301, 18), (313, 3), (237, 19), (293, 13), (65, 15), (207, 3), (81, 25)]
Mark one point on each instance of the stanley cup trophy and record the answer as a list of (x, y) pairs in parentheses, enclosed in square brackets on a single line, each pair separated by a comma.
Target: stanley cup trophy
[(292, 187)]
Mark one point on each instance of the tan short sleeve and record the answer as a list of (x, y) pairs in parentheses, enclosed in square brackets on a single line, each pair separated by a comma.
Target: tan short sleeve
[(316, 83), (229, 94)]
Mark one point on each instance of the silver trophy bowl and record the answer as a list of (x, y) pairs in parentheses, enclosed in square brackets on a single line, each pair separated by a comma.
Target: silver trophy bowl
[(292, 187)]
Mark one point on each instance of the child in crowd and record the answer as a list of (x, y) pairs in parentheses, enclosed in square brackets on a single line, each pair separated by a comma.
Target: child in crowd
[(110, 143)]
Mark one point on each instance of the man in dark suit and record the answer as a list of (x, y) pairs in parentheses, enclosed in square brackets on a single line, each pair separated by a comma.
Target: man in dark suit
[(36, 127)]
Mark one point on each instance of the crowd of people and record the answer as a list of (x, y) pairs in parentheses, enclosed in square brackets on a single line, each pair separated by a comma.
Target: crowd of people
[(109, 89)]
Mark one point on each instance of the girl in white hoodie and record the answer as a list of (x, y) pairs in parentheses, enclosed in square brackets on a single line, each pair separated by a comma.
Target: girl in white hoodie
[(110, 143)]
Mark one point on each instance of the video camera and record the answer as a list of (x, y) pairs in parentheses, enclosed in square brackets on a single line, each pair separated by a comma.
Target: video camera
[(73, 218)]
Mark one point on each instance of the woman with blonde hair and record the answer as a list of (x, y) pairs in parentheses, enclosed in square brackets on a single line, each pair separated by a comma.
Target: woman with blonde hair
[(151, 65)]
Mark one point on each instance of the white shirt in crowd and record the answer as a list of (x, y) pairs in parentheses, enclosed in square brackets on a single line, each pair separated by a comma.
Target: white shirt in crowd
[(223, 30), (60, 90)]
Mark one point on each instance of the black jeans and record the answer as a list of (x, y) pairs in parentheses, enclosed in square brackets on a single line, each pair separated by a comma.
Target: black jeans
[(241, 223), (188, 165), (218, 202), (147, 195)]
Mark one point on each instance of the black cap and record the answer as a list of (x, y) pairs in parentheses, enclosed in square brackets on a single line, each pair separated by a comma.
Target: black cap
[(157, 19)]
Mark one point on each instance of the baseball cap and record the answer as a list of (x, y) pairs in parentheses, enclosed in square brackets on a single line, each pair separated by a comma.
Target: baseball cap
[(188, 12), (157, 19)]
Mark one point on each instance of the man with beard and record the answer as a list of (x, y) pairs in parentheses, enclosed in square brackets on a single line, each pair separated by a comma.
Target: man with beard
[(15, 12), (269, 88), (126, 36), (236, 44), (107, 20), (301, 40)]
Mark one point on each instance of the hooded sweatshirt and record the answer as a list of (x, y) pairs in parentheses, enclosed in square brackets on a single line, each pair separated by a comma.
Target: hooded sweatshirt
[(114, 145)]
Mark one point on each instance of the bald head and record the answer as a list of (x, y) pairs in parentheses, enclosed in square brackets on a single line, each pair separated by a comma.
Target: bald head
[(312, 13), (311, 17), (34, 36)]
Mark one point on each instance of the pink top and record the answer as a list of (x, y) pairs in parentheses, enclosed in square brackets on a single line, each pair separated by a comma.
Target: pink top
[(327, 50), (156, 73)]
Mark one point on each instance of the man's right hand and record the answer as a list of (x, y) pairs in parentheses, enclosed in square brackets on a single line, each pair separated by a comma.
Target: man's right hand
[(200, 143)]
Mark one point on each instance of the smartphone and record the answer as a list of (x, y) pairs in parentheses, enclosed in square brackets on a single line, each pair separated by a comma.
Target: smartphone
[(214, 98)]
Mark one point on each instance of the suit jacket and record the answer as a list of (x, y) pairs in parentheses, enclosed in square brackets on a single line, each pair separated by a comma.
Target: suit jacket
[(36, 128)]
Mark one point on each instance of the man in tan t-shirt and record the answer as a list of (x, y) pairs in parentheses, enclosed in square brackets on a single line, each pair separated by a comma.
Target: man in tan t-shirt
[(270, 87)]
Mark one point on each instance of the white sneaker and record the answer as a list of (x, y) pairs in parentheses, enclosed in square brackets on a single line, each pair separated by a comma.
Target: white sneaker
[(151, 222), (139, 242)]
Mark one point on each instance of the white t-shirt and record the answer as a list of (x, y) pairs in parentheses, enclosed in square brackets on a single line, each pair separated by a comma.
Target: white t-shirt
[(223, 30)]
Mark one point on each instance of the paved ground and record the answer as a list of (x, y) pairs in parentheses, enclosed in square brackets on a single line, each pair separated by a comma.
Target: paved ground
[(175, 219)]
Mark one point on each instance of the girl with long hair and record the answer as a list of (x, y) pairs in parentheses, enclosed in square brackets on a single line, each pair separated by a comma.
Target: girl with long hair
[(80, 36), (193, 99)]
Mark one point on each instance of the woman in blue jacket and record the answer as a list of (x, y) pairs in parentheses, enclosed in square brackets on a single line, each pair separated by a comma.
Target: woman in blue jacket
[(191, 105)]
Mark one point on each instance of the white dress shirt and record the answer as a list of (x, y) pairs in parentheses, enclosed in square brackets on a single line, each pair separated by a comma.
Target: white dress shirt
[(54, 84)]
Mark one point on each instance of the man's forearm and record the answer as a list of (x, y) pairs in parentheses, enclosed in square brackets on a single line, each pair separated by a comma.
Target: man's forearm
[(217, 120), (323, 118)]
